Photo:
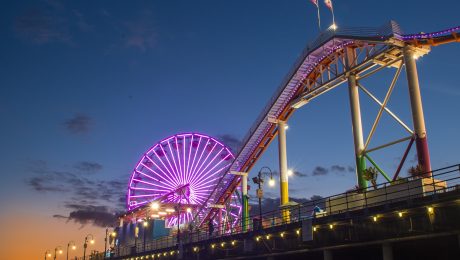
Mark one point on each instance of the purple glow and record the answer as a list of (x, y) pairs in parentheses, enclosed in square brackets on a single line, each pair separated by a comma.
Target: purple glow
[(193, 160)]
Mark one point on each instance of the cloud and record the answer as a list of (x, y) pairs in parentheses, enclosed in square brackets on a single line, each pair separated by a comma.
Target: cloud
[(39, 27), (88, 167), (140, 33), (95, 215), (338, 168), (230, 141), (88, 201), (320, 171), (76, 187), (81, 22), (300, 174), (79, 124), (42, 184)]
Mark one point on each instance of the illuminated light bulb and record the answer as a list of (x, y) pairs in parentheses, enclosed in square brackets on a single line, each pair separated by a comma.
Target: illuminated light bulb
[(169, 210), (155, 205), (114, 234), (155, 216), (314, 229), (222, 244), (290, 172), (257, 239), (430, 210), (286, 127), (282, 234), (162, 213), (60, 251), (268, 237), (92, 241), (212, 246), (333, 26), (233, 242), (400, 214), (331, 226), (195, 249), (74, 247), (374, 218), (49, 255), (298, 231), (271, 182), (189, 210)]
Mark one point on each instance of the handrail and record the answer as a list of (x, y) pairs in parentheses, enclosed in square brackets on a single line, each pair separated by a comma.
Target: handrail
[(336, 204)]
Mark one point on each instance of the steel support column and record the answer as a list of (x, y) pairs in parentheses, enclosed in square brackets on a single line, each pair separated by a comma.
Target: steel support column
[(245, 198), (219, 221), (284, 187), (421, 142), (357, 127)]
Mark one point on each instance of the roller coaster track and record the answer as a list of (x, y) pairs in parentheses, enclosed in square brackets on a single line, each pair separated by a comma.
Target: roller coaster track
[(321, 67)]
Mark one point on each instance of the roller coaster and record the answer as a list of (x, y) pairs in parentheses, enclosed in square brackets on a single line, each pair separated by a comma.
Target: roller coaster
[(325, 64)]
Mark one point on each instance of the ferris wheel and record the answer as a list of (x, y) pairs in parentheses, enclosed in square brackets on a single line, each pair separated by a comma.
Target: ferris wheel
[(181, 172)]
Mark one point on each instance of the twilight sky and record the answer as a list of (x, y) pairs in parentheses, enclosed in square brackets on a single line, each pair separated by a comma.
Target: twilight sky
[(86, 87)]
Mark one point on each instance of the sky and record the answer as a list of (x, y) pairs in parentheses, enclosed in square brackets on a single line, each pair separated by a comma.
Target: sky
[(86, 87)]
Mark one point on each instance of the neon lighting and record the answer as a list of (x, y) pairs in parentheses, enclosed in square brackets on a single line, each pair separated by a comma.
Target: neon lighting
[(184, 168)]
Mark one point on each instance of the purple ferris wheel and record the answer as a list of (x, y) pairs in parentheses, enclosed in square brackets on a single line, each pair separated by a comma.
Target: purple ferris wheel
[(178, 174)]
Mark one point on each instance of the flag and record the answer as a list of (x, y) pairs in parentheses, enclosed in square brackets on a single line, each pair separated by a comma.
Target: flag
[(315, 2), (328, 3)]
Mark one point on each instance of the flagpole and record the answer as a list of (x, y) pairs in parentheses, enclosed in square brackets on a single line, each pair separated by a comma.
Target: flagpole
[(333, 18), (319, 18)]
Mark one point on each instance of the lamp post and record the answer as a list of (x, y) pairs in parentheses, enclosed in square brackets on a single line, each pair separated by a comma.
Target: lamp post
[(112, 234), (47, 253), (85, 245), (145, 225), (105, 240), (73, 248), (56, 250), (259, 180)]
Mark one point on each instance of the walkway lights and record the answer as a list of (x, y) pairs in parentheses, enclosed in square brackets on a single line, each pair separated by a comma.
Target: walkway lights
[(85, 245), (71, 243), (47, 253), (57, 249)]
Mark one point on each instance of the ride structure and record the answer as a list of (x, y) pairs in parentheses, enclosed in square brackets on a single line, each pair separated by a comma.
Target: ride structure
[(176, 176), (337, 56)]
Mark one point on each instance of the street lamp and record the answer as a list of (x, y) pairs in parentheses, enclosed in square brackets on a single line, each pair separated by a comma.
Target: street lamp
[(56, 251), (145, 224), (71, 243), (113, 234), (47, 253), (259, 180), (85, 245)]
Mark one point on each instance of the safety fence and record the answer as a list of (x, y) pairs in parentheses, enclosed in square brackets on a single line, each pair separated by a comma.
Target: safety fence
[(442, 181)]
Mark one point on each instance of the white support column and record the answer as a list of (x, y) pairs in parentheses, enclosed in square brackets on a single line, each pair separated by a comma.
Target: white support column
[(284, 190), (357, 127), (417, 110)]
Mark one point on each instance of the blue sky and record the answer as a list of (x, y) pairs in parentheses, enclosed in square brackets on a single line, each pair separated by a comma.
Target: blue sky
[(86, 88)]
